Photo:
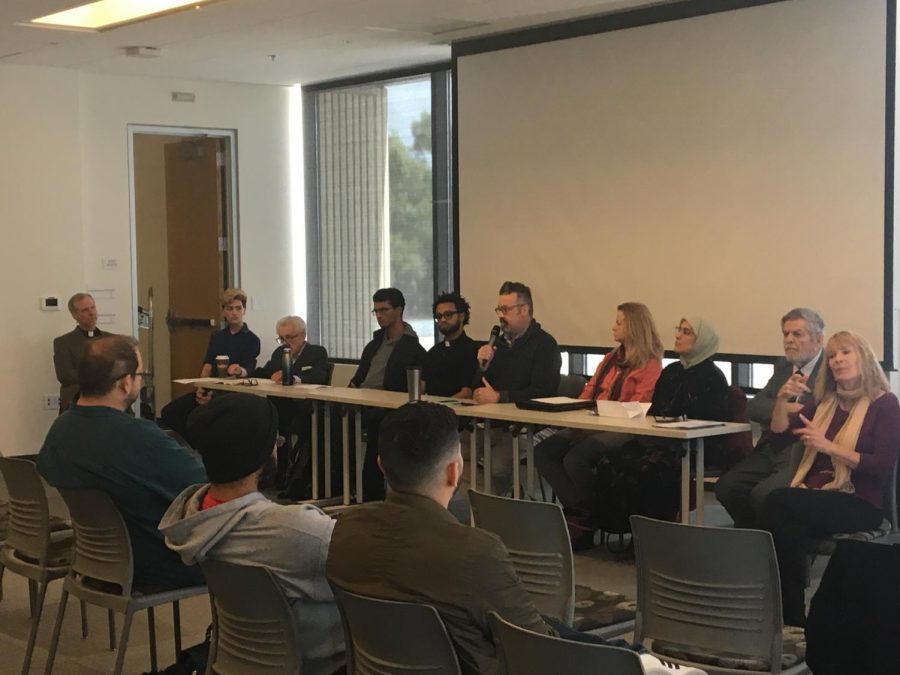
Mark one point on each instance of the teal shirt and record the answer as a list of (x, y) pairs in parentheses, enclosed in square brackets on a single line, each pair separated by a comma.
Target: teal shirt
[(139, 467)]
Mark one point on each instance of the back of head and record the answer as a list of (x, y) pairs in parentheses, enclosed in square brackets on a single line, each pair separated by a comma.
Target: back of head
[(643, 341), (391, 295), (105, 361), (522, 292), (234, 434), (415, 442)]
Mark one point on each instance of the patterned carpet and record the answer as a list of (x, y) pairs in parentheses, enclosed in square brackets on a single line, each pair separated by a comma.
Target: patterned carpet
[(596, 609)]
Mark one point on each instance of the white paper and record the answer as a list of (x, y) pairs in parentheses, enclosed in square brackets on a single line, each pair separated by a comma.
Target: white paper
[(689, 424), (629, 410), (557, 400)]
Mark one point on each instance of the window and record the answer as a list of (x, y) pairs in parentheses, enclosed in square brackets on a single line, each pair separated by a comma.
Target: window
[(379, 215)]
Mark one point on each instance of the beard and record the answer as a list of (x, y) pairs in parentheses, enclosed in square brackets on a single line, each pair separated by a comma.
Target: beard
[(267, 473), (449, 329)]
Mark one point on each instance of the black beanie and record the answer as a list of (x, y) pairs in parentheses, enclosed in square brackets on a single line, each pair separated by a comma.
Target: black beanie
[(234, 435)]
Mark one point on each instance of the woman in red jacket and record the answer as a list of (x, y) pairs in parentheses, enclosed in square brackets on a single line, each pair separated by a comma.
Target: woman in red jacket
[(628, 373)]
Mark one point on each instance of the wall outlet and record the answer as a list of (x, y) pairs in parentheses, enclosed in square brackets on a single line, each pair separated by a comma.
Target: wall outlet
[(51, 402)]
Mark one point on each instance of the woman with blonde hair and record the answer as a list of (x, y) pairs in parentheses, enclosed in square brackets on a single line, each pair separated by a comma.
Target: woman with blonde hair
[(627, 373), (850, 428)]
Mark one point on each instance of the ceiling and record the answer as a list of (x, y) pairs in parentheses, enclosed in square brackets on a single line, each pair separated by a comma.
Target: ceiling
[(279, 42)]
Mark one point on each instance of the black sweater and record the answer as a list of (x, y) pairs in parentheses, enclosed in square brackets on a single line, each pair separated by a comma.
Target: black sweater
[(700, 392), (529, 368)]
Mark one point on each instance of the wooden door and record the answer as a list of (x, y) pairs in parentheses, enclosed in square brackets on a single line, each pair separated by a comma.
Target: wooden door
[(195, 216)]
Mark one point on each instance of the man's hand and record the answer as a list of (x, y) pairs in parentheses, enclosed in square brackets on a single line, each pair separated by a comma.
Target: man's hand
[(486, 394), (794, 388), (202, 396), (235, 370), (485, 354), (276, 376)]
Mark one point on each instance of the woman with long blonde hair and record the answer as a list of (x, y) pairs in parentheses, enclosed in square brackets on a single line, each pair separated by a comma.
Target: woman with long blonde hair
[(850, 428)]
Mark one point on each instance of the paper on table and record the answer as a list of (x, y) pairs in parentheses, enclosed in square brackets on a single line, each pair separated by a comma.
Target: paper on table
[(689, 424), (197, 380), (557, 400), (632, 410)]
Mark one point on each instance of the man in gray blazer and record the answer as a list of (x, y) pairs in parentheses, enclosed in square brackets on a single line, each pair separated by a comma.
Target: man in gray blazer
[(745, 487), (68, 348)]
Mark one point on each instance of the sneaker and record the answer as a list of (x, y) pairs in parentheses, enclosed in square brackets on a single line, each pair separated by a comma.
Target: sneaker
[(654, 666)]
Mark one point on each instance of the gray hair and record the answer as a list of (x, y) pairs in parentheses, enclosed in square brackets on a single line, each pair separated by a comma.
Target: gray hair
[(78, 297), (814, 322), (295, 321)]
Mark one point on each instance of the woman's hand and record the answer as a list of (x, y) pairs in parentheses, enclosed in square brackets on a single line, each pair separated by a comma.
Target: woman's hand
[(814, 437)]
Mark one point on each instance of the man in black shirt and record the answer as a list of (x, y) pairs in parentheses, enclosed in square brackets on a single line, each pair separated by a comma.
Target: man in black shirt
[(450, 365)]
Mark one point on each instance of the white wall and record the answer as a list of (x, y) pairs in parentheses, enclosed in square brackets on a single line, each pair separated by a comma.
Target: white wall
[(64, 190)]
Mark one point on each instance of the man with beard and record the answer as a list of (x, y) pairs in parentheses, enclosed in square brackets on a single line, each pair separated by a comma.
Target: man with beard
[(96, 445), (450, 364), (229, 520)]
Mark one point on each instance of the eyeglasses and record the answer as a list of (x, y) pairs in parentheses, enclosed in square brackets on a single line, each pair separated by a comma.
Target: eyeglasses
[(142, 373), (378, 311), (684, 330), (445, 315), (502, 310), (248, 382), (287, 338)]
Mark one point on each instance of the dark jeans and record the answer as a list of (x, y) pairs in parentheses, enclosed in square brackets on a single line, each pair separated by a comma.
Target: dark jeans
[(744, 488), (569, 633), (796, 517)]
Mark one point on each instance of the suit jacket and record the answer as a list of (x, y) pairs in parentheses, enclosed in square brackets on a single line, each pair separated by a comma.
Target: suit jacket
[(311, 366), (67, 351)]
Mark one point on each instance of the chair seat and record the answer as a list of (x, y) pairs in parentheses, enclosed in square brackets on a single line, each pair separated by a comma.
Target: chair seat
[(793, 652), (109, 596), (29, 567)]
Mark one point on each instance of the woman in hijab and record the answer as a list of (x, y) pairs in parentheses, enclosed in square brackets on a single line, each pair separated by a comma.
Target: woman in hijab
[(627, 373), (850, 428)]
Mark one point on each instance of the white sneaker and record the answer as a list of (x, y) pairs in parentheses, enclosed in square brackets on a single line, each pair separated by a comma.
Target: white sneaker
[(653, 666)]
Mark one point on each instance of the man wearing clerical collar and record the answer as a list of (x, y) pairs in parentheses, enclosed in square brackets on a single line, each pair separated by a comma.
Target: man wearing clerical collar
[(68, 348)]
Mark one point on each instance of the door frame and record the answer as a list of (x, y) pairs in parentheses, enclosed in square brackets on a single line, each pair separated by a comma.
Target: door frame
[(232, 214)]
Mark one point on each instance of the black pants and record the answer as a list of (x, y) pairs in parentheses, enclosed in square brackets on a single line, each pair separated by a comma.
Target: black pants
[(744, 488), (796, 517)]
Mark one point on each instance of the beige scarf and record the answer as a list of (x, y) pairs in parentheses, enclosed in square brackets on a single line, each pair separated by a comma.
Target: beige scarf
[(846, 437)]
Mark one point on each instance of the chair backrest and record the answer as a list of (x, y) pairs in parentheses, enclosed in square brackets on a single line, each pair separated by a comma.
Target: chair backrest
[(28, 531), (570, 385), (102, 544), (329, 372), (536, 536), (254, 629), (525, 653), (385, 637), (890, 498), (708, 589), (738, 446)]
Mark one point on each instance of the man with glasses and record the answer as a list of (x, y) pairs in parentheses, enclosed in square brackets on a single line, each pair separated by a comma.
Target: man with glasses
[(744, 488), (394, 348), (523, 364), (450, 365), (309, 365), (96, 445)]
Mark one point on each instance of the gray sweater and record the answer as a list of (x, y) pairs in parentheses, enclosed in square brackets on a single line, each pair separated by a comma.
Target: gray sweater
[(290, 541)]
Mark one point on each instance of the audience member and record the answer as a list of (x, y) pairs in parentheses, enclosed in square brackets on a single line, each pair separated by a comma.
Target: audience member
[(744, 488), (850, 428), (628, 373), (393, 349), (450, 365), (96, 445), (230, 520), (68, 348), (236, 341)]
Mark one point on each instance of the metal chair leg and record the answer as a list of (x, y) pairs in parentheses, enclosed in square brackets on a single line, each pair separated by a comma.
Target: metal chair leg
[(84, 625), (176, 621), (35, 623), (2, 569), (32, 594), (123, 644), (111, 620), (57, 628), (151, 627)]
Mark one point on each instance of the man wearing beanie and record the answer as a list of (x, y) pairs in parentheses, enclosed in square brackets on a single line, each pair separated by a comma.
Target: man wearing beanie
[(228, 519)]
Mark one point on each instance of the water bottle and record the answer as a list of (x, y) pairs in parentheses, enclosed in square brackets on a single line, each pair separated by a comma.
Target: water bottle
[(287, 379), (413, 383)]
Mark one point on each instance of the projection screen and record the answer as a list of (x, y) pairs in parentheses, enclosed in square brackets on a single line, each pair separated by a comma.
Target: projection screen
[(730, 165)]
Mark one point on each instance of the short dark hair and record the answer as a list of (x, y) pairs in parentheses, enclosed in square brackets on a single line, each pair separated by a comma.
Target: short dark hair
[(414, 441), (391, 295), (461, 304), (521, 290), (105, 360)]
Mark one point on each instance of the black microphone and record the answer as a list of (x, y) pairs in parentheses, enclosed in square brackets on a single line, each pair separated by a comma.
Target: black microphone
[(495, 333)]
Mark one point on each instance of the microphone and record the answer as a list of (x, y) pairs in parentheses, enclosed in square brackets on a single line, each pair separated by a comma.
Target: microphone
[(495, 333)]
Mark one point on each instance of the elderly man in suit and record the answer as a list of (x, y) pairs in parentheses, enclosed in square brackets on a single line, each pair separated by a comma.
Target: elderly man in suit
[(69, 348)]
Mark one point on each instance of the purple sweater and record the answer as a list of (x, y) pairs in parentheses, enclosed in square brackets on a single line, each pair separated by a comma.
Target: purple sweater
[(878, 443)]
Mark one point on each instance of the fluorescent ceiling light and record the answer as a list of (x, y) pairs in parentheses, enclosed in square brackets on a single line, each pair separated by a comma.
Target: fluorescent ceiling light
[(109, 13)]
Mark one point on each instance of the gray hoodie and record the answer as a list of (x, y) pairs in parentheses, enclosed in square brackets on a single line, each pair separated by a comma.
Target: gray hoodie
[(290, 541)]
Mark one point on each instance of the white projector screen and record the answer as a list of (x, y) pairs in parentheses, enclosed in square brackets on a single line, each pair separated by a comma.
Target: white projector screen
[(730, 165)]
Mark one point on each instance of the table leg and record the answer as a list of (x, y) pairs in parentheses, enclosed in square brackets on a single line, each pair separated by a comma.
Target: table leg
[(345, 455), (360, 454), (529, 460), (315, 449), (473, 456), (487, 456), (515, 463), (699, 472), (686, 482), (327, 423)]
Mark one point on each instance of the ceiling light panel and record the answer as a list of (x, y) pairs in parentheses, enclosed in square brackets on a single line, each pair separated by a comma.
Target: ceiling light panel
[(105, 14)]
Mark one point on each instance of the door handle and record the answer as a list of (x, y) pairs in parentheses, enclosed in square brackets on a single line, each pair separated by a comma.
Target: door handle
[(174, 321)]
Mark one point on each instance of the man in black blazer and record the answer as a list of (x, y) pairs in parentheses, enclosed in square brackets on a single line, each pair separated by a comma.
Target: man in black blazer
[(309, 365), (68, 348), (745, 487)]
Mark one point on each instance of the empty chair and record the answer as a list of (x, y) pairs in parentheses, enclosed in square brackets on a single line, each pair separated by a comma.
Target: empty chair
[(254, 630), (570, 385), (385, 637), (102, 571), (525, 653), (708, 595), (536, 536), (32, 549)]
